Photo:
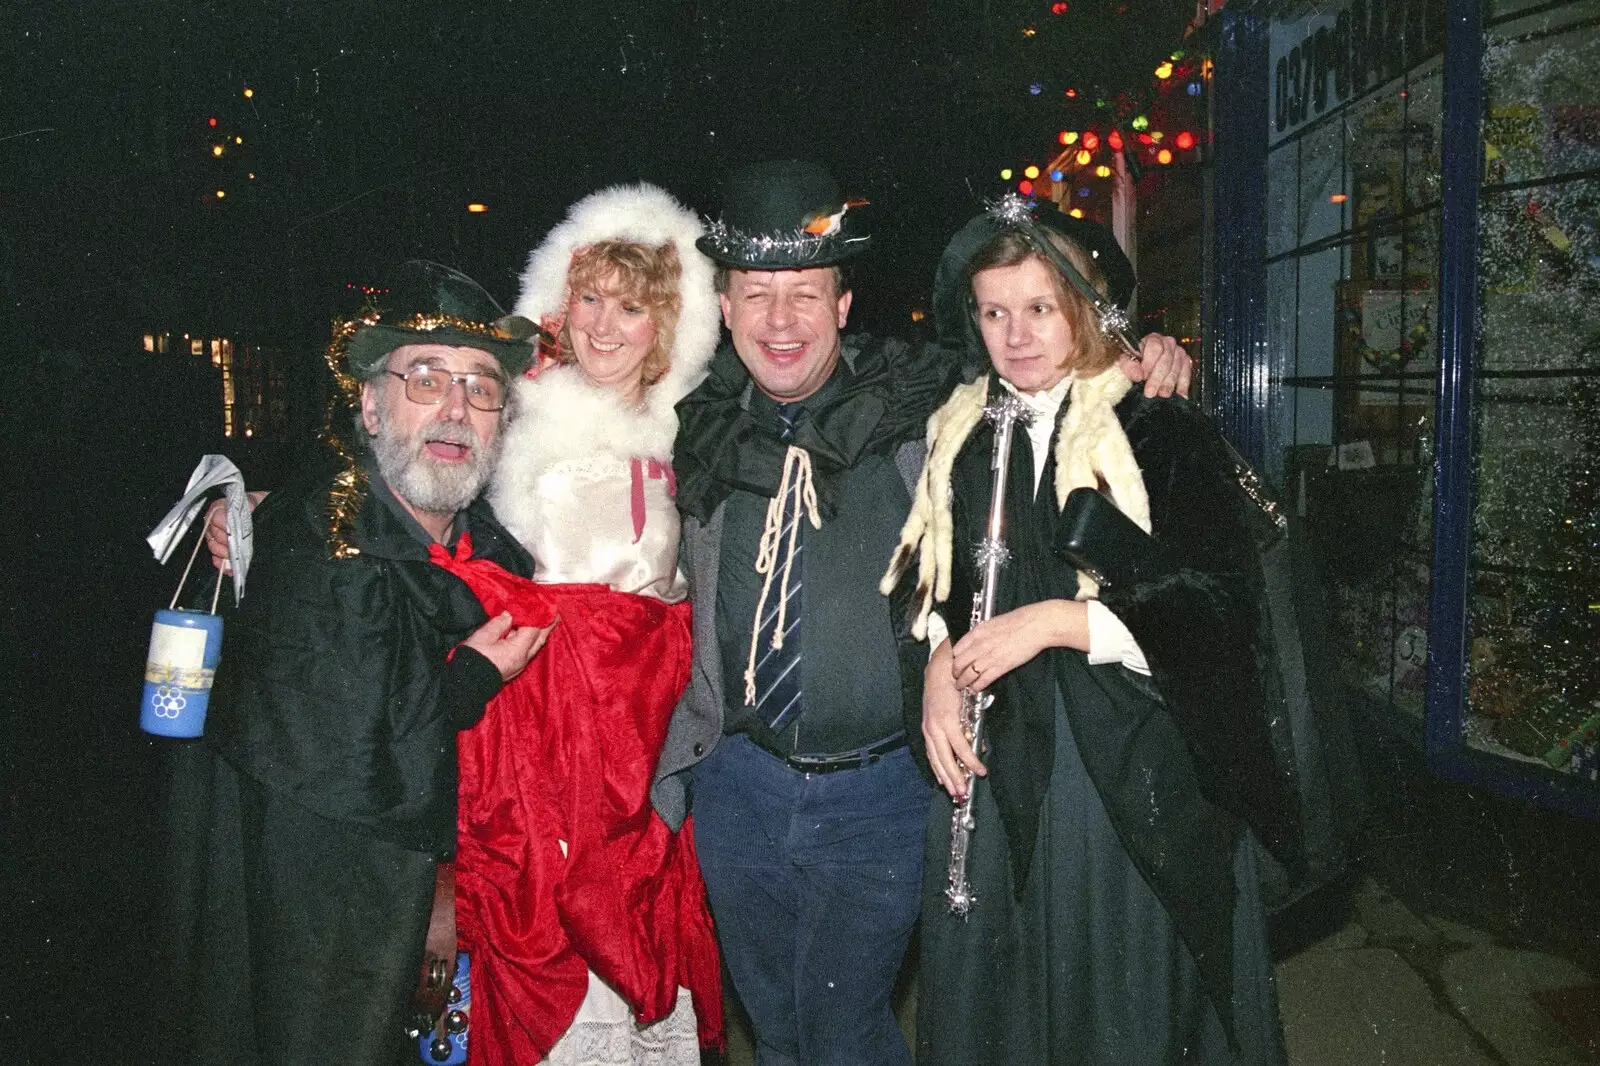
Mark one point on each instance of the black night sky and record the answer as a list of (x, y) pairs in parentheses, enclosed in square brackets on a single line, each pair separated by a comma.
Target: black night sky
[(372, 124)]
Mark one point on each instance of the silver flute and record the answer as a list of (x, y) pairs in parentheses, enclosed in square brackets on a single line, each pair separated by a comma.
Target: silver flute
[(1006, 413)]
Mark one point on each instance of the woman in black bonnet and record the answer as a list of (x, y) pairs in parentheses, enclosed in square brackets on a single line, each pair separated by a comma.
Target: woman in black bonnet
[(1117, 916)]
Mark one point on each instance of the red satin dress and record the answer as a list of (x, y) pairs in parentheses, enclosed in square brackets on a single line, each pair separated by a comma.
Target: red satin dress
[(566, 753)]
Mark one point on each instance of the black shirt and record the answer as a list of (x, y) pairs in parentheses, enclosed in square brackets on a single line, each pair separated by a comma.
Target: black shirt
[(850, 672)]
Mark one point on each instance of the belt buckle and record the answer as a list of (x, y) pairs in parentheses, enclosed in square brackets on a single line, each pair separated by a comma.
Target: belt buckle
[(855, 760), (825, 766)]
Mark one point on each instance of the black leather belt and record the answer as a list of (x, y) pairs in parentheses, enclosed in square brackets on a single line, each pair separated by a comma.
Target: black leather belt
[(844, 760)]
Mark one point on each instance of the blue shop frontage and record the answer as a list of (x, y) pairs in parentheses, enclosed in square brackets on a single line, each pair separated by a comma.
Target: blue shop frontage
[(1402, 330)]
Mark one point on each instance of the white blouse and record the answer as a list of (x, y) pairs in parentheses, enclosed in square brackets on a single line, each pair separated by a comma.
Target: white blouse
[(585, 485), (608, 521)]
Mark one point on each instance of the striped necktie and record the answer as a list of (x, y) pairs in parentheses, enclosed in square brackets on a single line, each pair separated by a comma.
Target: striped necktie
[(778, 669)]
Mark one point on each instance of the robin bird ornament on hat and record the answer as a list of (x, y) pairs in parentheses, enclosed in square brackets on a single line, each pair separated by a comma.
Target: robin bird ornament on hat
[(785, 215)]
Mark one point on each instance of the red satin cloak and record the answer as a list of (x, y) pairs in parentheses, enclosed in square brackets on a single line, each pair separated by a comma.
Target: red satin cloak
[(566, 752)]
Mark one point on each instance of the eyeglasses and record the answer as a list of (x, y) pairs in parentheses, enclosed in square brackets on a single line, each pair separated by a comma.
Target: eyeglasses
[(430, 385)]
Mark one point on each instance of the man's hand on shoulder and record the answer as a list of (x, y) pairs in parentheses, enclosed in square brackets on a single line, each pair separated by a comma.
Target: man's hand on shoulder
[(509, 647), (1163, 366)]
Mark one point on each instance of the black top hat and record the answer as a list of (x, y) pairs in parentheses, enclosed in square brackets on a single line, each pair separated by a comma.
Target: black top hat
[(784, 215), (422, 302), (952, 282)]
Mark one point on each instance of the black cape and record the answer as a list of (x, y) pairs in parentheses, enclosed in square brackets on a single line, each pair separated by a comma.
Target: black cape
[(306, 826), (892, 389)]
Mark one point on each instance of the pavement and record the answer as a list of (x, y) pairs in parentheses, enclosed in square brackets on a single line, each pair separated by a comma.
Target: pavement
[(1395, 986), (1398, 988)]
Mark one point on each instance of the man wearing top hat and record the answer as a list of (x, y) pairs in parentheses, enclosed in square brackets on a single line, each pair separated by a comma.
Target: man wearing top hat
[(310, 820), (795, 463)]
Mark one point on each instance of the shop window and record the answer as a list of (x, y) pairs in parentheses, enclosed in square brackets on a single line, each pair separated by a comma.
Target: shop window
[(1352, 259), (1534, 580)]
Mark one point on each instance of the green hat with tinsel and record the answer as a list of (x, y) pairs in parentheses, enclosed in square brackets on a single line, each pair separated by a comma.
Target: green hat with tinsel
[(422, 302)]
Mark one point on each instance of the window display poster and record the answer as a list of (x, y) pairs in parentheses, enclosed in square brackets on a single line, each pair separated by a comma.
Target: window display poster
[(1397, 175), (1396, 336)]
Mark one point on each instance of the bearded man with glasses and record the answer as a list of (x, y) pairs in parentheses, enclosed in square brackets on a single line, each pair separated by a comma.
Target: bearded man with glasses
[(310, 821)]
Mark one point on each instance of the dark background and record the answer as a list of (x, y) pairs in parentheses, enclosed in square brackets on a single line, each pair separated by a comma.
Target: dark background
[(372, 124)]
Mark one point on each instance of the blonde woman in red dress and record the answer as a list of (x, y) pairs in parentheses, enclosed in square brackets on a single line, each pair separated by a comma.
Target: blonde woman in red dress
[(583, 913)]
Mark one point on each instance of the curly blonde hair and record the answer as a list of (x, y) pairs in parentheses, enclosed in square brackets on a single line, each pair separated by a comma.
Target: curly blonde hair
[(1095, 350), (642, 274)]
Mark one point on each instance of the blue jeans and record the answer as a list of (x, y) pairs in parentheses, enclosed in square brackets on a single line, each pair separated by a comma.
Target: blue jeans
[(815, 882)]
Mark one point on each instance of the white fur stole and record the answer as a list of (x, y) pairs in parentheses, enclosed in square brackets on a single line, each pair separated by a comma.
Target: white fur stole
[(1092, 449), (561, 416)]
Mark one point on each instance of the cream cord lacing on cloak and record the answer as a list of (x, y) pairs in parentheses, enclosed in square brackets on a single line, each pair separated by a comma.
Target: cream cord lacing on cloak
[(797, 478)]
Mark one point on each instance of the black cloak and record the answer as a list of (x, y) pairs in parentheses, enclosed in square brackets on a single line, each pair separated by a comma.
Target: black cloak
[(306, 826), (1186, 762)]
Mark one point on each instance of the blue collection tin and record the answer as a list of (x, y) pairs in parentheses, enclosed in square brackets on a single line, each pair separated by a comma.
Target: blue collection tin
[(185, 647)]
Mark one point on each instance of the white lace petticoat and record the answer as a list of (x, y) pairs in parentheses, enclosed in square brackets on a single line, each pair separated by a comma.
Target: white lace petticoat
[(605, 1034)]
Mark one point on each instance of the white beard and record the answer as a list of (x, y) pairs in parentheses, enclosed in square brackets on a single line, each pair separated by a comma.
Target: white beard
[(424, 482)]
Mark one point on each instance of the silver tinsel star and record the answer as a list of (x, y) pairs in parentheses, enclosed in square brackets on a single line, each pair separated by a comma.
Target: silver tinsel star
[(1011, 210), (989, 551), (1114, 320)]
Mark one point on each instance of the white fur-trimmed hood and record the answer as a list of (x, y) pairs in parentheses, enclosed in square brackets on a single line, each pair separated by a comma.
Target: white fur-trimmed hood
[(647, 215)]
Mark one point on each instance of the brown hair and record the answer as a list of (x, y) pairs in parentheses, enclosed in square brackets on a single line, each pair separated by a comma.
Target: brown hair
[(1095, 350), (648, 276)]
